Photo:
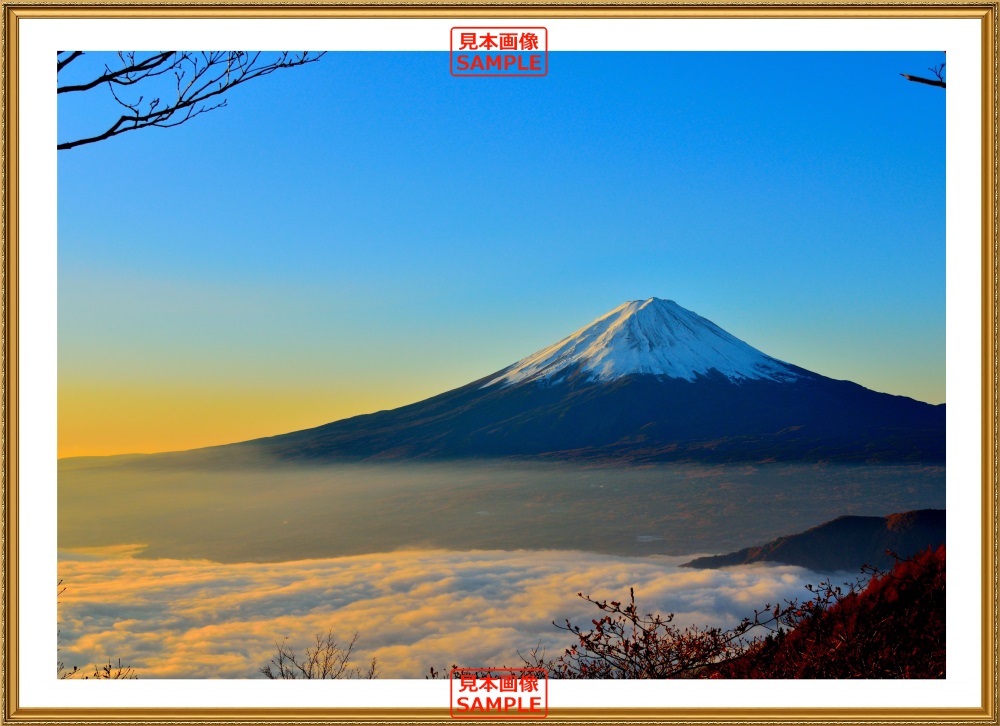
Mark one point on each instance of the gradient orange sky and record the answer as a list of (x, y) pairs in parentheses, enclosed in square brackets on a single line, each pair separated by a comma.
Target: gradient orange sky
[(116, 419)]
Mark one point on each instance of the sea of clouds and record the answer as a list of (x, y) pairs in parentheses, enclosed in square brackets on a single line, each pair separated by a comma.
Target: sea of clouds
[(413, 609)]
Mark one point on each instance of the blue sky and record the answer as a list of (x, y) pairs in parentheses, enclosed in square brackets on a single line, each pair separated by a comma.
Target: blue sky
[(369, 230)]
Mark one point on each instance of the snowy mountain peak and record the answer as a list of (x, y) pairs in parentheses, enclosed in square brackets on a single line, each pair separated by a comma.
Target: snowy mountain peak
[(653, 337)]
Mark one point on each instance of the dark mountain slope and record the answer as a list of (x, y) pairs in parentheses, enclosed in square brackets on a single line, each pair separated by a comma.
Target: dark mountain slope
[(846, 543), (637, 418)]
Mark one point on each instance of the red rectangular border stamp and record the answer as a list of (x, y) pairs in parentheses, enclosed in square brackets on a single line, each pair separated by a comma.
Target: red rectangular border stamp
[(499, 51), (507, 693)]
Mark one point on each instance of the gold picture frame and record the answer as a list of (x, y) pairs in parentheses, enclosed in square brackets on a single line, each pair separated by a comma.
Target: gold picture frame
[(17, 11)]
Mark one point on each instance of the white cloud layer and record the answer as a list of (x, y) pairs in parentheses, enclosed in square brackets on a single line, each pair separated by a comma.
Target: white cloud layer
[(413, 609)]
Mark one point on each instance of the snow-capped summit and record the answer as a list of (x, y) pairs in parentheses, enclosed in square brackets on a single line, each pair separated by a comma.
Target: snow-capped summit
[(710, 397), (653, 337)]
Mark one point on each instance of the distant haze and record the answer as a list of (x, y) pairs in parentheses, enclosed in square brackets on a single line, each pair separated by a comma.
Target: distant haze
[(288, 512)]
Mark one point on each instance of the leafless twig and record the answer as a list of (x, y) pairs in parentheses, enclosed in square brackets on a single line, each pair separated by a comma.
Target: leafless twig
[(200, 80)]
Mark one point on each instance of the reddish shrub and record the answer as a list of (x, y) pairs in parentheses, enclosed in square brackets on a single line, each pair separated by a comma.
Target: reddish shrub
[(891, 628)]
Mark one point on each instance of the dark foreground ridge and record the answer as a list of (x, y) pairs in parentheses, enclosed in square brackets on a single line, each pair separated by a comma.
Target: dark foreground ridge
[(845, 543)]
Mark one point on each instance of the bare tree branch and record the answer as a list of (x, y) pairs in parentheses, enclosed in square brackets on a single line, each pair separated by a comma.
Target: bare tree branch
[(131, 73), (328, 659), (63, 62), (928, 81), (200, 79), (937, 71)]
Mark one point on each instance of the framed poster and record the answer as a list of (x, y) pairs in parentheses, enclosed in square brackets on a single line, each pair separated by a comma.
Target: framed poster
[(443, 362)]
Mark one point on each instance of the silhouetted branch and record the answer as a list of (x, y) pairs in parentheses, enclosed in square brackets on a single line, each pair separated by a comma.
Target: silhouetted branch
[(130, 73), (63, 62), (329, 659), (937, 71), (928, 81), (200, 79)]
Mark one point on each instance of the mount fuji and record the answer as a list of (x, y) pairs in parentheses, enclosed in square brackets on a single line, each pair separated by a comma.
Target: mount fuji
[(648, 337), (649, 381)]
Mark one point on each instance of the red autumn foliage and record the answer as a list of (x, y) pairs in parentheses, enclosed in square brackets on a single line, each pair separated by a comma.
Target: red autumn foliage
[(893, 627)]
